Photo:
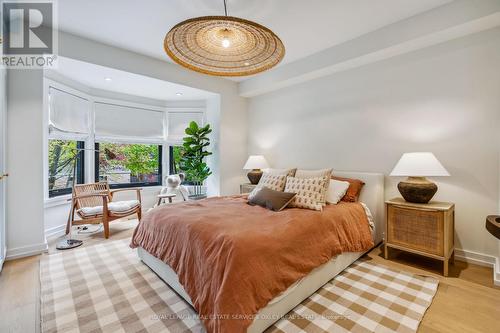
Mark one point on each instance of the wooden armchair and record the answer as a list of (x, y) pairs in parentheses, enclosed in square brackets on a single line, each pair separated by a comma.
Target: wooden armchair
[(94, 204)]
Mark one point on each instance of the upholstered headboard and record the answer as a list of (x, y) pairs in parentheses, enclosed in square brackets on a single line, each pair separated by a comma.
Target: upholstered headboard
[(372, 195)]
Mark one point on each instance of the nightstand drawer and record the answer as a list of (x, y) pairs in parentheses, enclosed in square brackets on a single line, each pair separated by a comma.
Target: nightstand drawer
[(417, 229)]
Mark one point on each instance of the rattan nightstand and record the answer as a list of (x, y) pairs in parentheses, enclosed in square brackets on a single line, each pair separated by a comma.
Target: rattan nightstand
[(424, 229), (246, 188)]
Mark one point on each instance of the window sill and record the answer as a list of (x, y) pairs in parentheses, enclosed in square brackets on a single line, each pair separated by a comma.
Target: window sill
[(57, 201)]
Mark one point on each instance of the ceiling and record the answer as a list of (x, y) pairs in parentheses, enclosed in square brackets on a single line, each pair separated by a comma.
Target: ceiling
[(104, 78), (305, 27)]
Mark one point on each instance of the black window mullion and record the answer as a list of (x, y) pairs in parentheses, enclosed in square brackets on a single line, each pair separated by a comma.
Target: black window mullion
[(80, 163), (96, 162)]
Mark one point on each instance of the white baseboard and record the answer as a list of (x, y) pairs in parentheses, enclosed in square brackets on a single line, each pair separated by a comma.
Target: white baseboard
[(482, 260), (55, 232), (2, 257), (26, 251), (475, 257), (496, 272)]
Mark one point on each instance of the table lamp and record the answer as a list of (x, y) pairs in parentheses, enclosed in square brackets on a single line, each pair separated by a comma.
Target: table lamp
[(255, 163), (416, 166)]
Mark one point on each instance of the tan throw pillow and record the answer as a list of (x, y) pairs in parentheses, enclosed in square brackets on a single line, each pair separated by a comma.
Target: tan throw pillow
[(302, 173), (286, 172), (310, 192), (273, 182), (270, 199)]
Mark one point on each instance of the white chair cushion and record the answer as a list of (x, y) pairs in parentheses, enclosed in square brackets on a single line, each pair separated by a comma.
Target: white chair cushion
[(116, 206), (122, 206)]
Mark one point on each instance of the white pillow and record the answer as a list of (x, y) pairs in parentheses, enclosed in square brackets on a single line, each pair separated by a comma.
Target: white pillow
[(336, 191)]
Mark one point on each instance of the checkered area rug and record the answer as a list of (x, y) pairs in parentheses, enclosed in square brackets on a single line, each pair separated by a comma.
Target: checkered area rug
[(106, 288)]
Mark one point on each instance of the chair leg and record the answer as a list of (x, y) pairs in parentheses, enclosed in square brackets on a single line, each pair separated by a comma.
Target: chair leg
[(139, 214), (67, 227), (105, 223)]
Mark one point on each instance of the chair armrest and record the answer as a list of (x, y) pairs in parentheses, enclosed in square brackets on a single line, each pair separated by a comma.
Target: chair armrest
[(136, 189), (126, 189), (83, 196)]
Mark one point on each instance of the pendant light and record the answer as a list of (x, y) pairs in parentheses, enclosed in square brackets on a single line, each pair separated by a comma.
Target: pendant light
[(223, 45)]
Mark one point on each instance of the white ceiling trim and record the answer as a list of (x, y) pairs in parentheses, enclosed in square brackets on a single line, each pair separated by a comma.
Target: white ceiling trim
[(458, 19)]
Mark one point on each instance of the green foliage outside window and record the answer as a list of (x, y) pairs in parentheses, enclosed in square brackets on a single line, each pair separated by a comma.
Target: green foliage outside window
[(141, 160), (61, 160), (176, 158)]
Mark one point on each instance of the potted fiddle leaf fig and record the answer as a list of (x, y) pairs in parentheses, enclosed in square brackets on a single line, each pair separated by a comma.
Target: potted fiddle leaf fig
[(193, 156)]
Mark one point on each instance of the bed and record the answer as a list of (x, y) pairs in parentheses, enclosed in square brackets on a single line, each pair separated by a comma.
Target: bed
[(372, 196)]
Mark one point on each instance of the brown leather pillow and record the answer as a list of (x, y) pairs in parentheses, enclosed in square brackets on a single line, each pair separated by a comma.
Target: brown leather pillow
[(271, 199), (355, 186)]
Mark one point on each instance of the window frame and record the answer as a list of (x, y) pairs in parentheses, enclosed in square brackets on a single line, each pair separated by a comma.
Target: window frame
[(131, 185), (80, 169), (171, 164)]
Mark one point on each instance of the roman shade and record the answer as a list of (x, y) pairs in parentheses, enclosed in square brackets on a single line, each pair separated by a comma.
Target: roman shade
[(178, 121), (68, 113), (120, 122)]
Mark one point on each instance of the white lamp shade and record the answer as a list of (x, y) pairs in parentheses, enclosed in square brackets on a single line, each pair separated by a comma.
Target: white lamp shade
[(256, 162), (419, 165)]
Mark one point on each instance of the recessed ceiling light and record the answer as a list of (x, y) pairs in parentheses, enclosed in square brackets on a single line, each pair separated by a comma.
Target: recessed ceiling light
[(179, 94), (247, 64), (107, 79)]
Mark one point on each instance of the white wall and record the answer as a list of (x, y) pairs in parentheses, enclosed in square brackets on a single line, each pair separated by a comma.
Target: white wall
[(444, 99), (213, 161), (25, 160)]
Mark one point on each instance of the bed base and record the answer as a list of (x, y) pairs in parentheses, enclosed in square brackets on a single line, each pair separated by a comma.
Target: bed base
[(280, 305)]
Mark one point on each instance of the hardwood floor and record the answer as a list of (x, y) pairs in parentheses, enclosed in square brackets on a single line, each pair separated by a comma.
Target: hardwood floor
[(466, 301)]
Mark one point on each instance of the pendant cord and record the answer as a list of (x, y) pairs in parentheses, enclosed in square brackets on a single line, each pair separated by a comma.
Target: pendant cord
[(225, 7)]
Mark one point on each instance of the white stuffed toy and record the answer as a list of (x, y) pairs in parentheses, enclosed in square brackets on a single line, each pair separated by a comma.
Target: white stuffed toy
[(174, 186)]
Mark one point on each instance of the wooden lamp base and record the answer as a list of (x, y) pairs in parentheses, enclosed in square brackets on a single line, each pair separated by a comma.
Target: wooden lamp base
[(254, 176), (417, 189)]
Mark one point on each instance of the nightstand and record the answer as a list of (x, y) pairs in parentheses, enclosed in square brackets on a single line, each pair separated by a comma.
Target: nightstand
[(424, 229), (247, 188)]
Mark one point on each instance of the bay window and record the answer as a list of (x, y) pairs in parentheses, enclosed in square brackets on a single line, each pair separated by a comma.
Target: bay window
[(67, 131), (128, 145), (125, 144)]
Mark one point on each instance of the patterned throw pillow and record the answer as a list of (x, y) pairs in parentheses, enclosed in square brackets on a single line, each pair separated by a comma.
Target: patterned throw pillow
[(303, 173), (273, 182), (310, 192)]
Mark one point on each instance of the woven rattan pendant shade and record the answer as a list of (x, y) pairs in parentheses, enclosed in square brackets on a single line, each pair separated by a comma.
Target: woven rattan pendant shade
[(223, 46)]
